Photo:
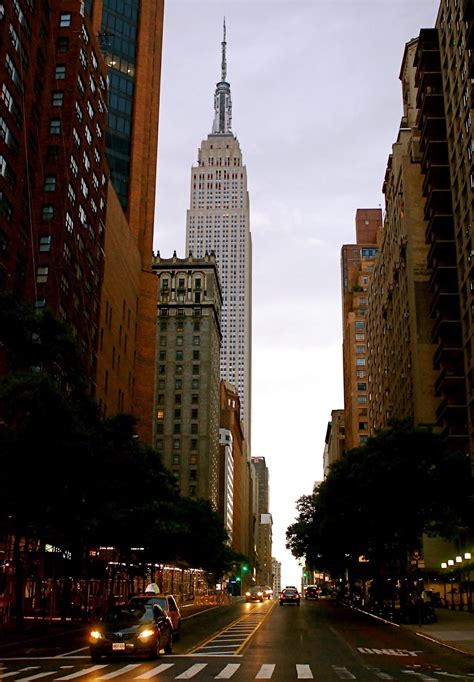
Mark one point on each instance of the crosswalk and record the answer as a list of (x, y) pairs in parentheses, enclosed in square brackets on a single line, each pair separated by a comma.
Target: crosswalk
[(184, 670)]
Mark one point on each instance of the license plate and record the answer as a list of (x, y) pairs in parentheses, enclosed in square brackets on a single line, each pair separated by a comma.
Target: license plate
[(118, 646)]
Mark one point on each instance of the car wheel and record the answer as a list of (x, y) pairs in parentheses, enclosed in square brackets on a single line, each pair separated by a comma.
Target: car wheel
[(95, 657), (169, 647)]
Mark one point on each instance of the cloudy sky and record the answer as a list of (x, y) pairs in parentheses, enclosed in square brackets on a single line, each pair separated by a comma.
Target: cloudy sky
[(316, 107)]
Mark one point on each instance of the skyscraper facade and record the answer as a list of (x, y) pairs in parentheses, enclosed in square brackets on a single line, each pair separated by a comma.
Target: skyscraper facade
[(130, 37), (218, 220), (187, 395), (357, 261), (53, 170)]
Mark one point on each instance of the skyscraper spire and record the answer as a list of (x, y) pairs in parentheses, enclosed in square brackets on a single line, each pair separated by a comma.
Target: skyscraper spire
[(222, 100), (224, 63)]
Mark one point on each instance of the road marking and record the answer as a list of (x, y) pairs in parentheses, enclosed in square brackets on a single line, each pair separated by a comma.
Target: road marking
[(190, 672), (265, 672), (86, 671), (420, 676), (35, 677), (227, 672), (343, 673), (70, 653), (387, 652), (303, 672), (123, 670), (155, 671), (383, 676), (17, 672)]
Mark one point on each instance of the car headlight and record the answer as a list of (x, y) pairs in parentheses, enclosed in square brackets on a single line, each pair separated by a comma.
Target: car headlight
[(146, 634), (247, 594), (96, 634), (260, 594)]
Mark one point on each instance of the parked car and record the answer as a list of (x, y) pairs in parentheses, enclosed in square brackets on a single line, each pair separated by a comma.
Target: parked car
[(254, 594), (167, 602), (290, 595), (131, 630)]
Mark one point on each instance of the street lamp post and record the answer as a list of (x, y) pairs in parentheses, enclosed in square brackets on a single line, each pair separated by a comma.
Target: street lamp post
[(451, 580), (467, 556), (461, 603)]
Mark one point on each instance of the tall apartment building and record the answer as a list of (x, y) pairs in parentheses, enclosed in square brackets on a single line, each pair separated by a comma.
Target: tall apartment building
[(264, 523), (218, 220), (455, 27), (357, 262), (130, 36), (401, 376), (445, 138), (53, 170), (75, 249), (276, 570), (235, 473), (334, 442), (187, 399)]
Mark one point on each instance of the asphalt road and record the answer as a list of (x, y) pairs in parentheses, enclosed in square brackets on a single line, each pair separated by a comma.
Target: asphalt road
[(318, 640)]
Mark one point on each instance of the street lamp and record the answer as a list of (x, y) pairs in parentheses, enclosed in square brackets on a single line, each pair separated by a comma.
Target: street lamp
[(461, 603), (467, 556)]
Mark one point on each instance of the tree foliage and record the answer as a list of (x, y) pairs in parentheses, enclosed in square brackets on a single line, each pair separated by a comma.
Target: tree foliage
[(379, 499), (75, 480)]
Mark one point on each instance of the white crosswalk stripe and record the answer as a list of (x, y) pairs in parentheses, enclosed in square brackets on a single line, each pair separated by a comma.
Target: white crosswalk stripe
[(121, 671), (192, 671), (80, 673), (227, 672), (303, 672), (3, 675), (265, 672), (35, 677), (155, 671), (343, 673)]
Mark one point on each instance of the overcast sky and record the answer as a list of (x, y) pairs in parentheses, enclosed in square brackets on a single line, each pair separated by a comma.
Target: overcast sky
[(316, 107)]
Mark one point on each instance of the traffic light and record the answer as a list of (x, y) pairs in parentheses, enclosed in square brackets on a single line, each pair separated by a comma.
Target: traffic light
[(245, 568), (237, 578)]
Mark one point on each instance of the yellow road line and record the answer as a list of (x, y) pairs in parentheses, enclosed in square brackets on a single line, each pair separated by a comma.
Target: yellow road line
[(245, 642)]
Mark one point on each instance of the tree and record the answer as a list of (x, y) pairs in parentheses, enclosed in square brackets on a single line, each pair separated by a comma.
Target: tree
[(380, 499)]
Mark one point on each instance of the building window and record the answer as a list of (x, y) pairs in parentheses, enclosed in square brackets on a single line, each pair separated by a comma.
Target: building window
[(45, 242), (196, 340), (176, 444), (360, 362), (177, 398), (361, 399), (178, 384), (162, 355), (58, 99), (195, 355), (62, 44), (194, 428), (50, 183), (55, 126), (160, 415), (47, 212), (69, 223), (359, 324), (60, 72), (179, 340), (361, 387), (64, 19), (42, 274), (179, 355)]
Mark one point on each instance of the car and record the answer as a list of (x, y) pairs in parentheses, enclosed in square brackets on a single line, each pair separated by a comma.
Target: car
[(267, 591), (254, 594), (290, 595), (311, 592), (167, 602), (131, 630)]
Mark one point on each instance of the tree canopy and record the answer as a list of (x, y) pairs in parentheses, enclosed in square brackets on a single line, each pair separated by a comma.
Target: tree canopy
[(379, 500), (75, 480)]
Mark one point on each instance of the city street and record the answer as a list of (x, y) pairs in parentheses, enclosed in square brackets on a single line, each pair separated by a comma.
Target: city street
[(318, 640)]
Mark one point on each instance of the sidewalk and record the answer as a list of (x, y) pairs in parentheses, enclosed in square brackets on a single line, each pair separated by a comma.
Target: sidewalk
[(454, 629)]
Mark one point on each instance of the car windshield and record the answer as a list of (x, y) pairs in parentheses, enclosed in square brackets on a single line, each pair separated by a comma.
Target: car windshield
[(290, 592), (129, 614), (255, 590)]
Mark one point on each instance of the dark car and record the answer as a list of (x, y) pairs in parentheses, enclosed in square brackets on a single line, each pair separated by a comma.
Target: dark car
[(289, 595), (254, 594), (167, 602), (131, 630), (311, 592)]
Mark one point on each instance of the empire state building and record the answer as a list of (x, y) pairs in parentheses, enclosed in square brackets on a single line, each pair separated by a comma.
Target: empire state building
[(218, 220)]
